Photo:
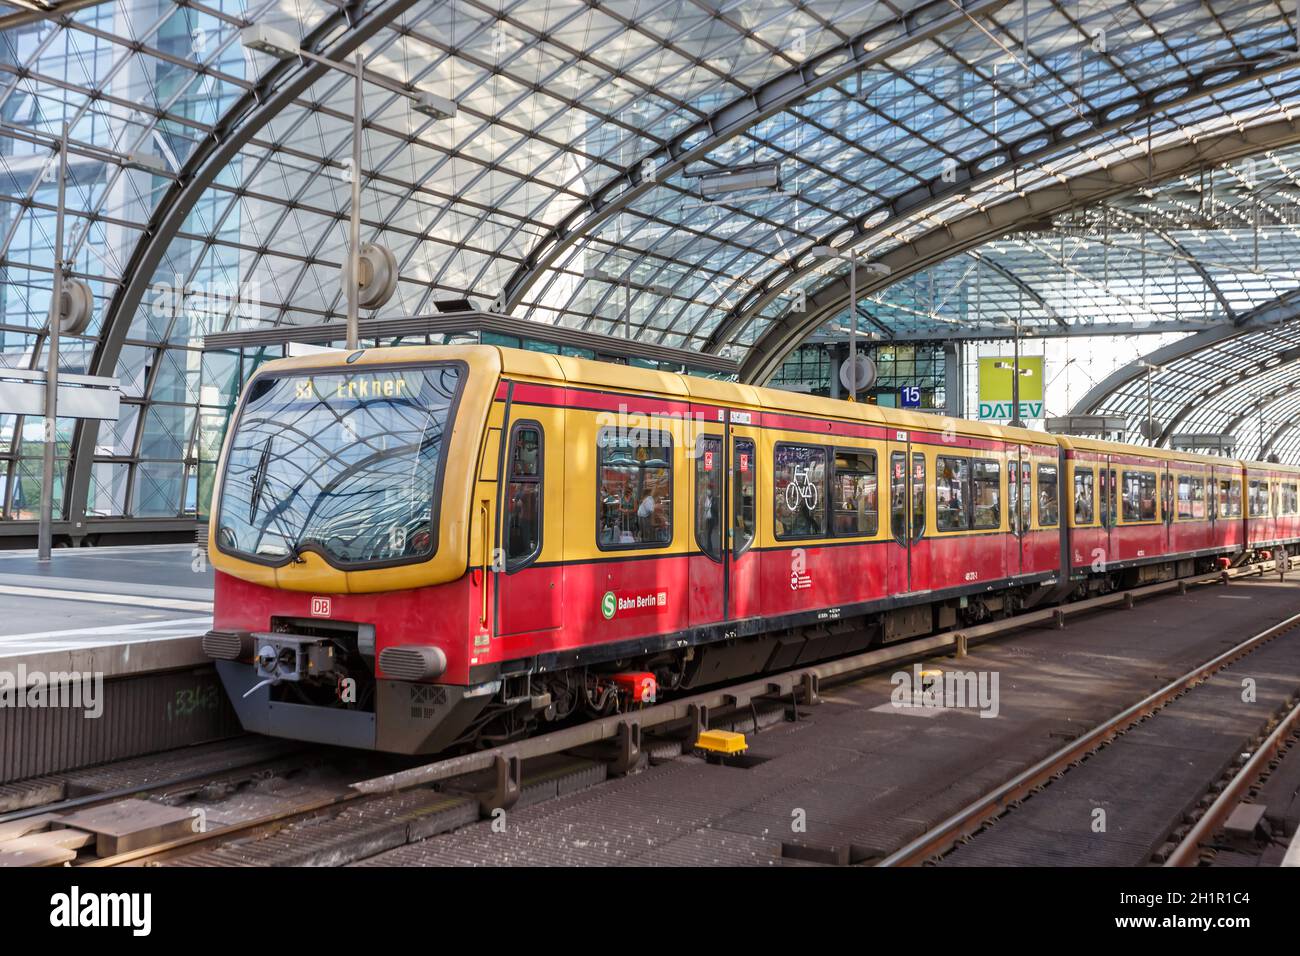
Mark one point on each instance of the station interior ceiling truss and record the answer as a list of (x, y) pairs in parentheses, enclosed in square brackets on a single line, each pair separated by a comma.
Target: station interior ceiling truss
[(658, 169)]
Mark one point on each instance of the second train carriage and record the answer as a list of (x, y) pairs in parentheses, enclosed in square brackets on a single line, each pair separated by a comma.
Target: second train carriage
[(421, 548)]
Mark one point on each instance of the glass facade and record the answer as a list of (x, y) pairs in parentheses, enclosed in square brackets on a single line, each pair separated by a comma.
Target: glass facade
[(919, 368), (201, 200)]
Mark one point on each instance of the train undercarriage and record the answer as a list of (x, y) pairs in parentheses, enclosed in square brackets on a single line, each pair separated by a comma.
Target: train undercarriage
[(316, 681)]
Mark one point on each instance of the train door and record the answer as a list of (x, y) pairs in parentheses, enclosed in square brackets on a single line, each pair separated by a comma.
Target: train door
[(1019, 515), (742, 531), (1108, 499), (1212, 504), (918, 555), (708, 558), (724, 574), (900, 514), (529, 595), (1167, 506), (1274, 526)]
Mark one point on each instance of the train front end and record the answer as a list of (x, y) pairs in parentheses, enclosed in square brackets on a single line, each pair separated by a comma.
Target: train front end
[(340, 529)]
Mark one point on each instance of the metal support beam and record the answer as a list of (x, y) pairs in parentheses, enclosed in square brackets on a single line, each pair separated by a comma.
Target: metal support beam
[(44, 534), (954, 380)]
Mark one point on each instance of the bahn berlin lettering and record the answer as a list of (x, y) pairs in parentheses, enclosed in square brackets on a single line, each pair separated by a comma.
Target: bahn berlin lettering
[(632, 604)]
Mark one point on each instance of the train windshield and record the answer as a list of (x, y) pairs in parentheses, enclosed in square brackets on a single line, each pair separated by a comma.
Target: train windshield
[(344, 463)]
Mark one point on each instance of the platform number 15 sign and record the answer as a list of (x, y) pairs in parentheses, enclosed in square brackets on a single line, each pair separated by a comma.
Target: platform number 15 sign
[(909, 396)]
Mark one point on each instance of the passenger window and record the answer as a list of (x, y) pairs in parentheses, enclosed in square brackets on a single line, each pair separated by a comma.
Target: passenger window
[(1013, 496), (799, 487), (1020, 496), (918, 495), (744, 468), (1139, 496), (708, 496), (634, 504), (523, 530), (1258, 499), (898, 495), (1107, 508), (1198, 498), (1184, 497), (1084, 503), (855, 493), (986, 492), (1049, 509), (1229, 499), (952, 491)]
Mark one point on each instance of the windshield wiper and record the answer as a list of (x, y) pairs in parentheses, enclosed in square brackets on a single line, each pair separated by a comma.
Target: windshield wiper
[(259, 482)]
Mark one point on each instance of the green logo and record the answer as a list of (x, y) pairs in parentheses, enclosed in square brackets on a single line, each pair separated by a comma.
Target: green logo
[(608, 605)]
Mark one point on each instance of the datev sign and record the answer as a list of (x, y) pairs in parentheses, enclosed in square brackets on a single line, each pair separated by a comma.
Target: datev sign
[(995, 387)]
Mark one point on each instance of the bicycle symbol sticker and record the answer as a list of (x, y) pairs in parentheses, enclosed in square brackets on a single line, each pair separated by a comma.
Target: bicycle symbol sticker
[(801, 487)]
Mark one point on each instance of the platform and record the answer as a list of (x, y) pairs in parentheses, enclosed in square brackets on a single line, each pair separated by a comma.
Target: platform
[(128, 620), (115, 611)]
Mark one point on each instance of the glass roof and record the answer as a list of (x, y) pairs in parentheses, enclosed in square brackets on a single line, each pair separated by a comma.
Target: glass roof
[(573, 184), (1246, 386)]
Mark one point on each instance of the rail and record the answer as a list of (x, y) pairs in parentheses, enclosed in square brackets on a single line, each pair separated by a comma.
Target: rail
[(975, 815)]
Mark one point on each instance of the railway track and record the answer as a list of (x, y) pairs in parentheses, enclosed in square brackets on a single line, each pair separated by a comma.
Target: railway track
[(261, 755), (404, 807), (1241, 789), (1027, 799)]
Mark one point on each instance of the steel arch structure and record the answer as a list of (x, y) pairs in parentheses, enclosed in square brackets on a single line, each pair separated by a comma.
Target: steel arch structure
[(1220, 380), (943, 242), (899, 126)]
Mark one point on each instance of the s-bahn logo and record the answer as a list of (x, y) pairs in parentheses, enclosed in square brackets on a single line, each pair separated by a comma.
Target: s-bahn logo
[(629, 605), (320, 607)]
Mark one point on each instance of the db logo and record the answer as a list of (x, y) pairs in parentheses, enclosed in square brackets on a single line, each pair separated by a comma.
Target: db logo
[(320, 607)]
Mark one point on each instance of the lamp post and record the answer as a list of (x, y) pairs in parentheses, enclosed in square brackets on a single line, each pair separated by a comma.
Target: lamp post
[(878, 268), (45, 529), (354, 224), (276, 43), (1016, 372), (1149, 430), (1016, 420)]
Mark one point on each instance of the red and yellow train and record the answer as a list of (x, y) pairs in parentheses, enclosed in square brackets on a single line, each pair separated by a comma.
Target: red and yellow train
[(425, 548)]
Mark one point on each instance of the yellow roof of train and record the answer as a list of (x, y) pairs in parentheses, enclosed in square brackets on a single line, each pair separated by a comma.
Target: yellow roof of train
[(588, 372), (544, 366)]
